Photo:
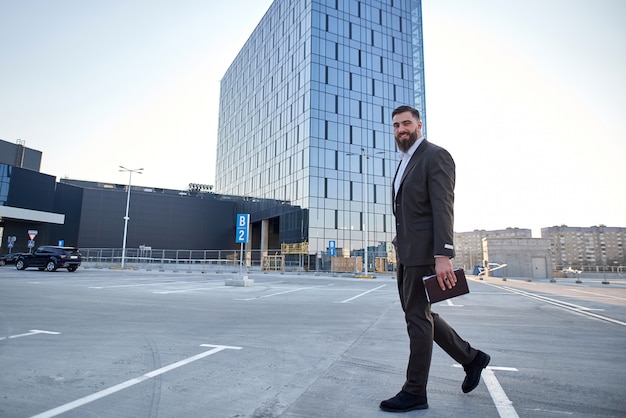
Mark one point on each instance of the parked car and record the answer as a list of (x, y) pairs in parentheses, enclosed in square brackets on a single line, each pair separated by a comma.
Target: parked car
[(9, 258), (50, 258)]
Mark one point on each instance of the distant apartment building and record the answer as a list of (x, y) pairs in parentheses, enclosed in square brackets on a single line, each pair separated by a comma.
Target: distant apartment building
[(469, 245), (586, 246)]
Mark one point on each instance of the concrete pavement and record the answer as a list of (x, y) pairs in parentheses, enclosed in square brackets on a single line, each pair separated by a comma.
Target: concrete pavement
[(161, 344)]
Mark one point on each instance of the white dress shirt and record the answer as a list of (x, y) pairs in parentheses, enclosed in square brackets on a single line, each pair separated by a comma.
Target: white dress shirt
[(405, 157)]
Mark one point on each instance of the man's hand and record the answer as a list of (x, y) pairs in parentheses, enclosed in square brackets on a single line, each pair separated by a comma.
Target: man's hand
[(445, 273)]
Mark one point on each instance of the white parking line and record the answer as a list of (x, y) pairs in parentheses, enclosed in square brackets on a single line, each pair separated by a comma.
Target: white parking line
[(450, 303), (599, 294), (32, 332), (106, 392), (362, 294), (570, 306), (282, 293), (167, 292), (501, 401), (140, 284)]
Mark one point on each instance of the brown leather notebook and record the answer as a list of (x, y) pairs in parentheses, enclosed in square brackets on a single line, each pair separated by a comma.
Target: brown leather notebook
[(434, 293)]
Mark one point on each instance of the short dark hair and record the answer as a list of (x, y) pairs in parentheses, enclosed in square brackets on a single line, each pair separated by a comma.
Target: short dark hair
[(402, 109)]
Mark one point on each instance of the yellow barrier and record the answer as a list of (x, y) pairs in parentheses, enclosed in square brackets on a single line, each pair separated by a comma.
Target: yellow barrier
[(297, 248), (345, 264), (273, 263)]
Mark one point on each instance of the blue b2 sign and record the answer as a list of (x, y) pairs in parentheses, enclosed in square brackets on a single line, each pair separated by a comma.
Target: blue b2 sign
[(243, 223)]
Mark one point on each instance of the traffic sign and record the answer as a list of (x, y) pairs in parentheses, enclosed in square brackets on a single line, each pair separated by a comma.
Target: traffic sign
[(32, 233), (332, 248), (243, 226)]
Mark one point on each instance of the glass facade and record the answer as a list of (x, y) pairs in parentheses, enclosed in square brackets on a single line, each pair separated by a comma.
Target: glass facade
[(305, 113), (5, 182)]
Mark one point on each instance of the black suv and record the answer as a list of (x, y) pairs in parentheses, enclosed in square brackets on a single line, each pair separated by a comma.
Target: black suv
[(50, 258), (9, 258)]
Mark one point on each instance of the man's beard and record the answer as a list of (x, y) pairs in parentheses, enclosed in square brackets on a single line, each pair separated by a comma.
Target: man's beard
[(405, 145)]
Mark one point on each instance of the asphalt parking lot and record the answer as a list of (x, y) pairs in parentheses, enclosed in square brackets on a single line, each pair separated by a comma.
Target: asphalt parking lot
[(109, 343)]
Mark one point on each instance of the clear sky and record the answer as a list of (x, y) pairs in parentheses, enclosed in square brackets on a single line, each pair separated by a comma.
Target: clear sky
[(528, 96)]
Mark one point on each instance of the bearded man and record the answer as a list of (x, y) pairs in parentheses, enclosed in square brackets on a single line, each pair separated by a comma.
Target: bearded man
[(423, 204)]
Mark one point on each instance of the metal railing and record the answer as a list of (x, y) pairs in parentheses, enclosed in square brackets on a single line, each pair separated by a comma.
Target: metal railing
[(229, 260), (137, 258), (620, 269), (613, 272), (209, 259)]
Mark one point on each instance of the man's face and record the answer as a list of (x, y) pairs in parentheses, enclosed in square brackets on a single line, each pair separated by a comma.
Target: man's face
[(406, 130)]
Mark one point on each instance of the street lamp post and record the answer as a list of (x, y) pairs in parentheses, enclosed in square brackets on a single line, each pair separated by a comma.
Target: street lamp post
[(126, 218), (366, 157), (365, 211)]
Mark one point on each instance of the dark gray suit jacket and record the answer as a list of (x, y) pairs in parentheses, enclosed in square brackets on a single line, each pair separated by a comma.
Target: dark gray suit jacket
[(424, 207)]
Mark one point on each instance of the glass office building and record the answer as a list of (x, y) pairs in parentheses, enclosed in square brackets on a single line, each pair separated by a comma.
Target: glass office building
[(305, 114)]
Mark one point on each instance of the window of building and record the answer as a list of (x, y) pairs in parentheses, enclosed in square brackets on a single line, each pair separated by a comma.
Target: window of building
[(355, 223)]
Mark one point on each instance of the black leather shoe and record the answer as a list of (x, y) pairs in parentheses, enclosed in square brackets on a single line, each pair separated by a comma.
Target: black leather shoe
[(473, 371), (403, 402)]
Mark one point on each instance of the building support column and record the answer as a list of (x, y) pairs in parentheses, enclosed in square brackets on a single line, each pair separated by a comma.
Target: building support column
[(265, 226), (248, 249)]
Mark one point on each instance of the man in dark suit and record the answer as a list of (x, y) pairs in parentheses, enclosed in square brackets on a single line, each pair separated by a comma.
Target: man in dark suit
[(423, 203)]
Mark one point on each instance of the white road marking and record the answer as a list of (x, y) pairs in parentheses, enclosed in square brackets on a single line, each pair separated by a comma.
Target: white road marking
[(450, 303), (140, 285), (106, 392), (599, 294), (575, 308), (167, 292), (362, 294), (506, 369), (282, 293), (32, 332), (500, 400)]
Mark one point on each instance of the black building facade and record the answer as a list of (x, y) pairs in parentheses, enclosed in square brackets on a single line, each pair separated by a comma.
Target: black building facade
[(91, 214), (157, 220), (29, 202)]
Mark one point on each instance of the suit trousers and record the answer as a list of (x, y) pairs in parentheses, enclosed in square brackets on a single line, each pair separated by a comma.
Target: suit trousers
[(424, 327)]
